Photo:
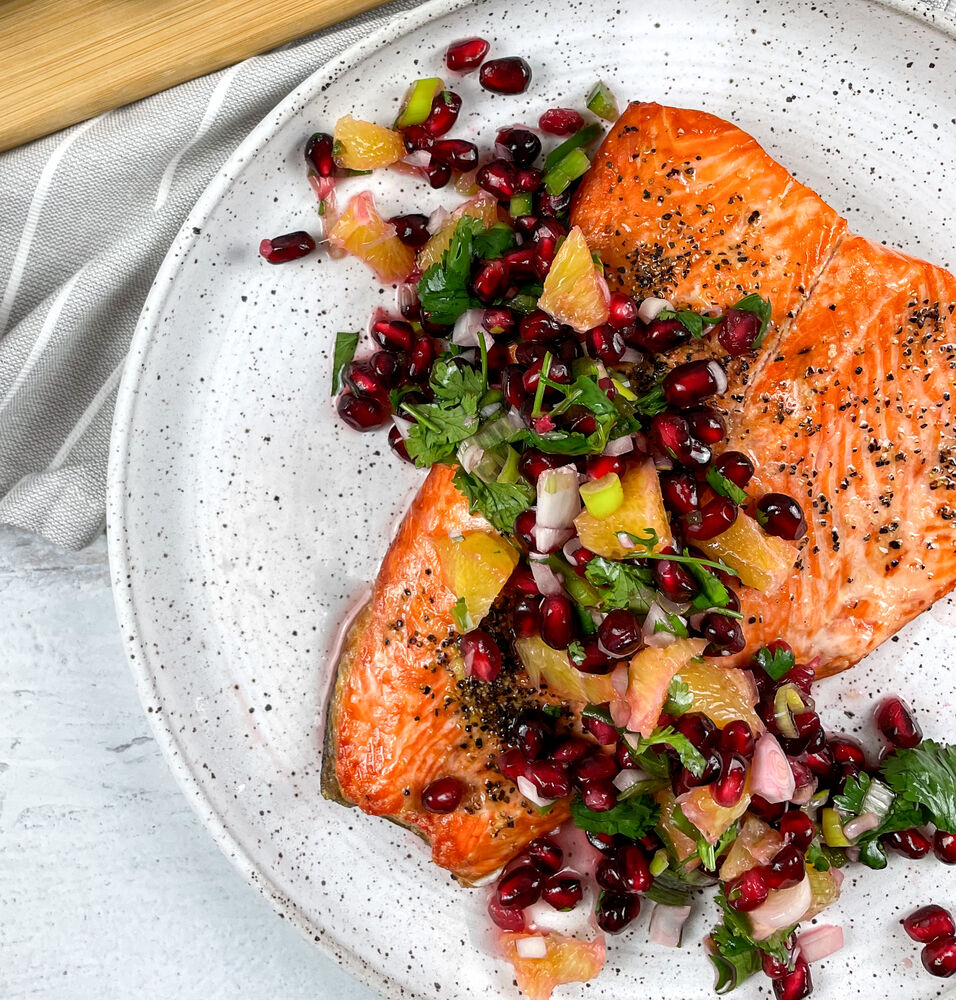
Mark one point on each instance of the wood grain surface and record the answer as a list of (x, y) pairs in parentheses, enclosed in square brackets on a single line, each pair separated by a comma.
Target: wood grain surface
[(67, 60)]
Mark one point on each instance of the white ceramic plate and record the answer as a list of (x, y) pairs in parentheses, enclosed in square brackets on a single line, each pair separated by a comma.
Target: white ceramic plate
[(245, 521)]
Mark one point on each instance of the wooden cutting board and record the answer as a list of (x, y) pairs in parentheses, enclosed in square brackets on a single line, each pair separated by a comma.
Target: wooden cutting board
[(63, 61)]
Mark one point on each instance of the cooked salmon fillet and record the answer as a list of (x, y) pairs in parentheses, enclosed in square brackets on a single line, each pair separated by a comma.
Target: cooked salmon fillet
[(398, 719), (848, 405)]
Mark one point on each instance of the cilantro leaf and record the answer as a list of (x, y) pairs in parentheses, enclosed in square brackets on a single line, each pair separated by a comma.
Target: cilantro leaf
[(489, 244), (925, 777), (633, 817), (498, 503), (621, 585), (761, 308), (719, 483), (342, 354), (443, 289), (680, 698), (775, 664), (437, 432), (854, 792), (692, 322), (452, 383), (576, 653), (673, 624), (652, 402), (709, 853), (689, 755)]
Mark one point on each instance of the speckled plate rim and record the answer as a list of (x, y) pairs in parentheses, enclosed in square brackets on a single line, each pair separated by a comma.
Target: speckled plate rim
[(141, 659)]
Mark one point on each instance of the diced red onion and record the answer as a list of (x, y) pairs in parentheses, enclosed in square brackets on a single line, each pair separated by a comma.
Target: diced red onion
[(468, 658), (632, 356), (862, 824), (559, 501), (820, 942), (468, 327), (570, 547), (470, 457), (661, 638), (619, 446), (678, 608), (324, 188), (667, 924), (544, 576), (624, 540), (805, 781), (437, 219), (406, 295), (853, 854), (716, 370), (647, 311), (531, 793), (629, 777), (838, 876), (549, 539), (783, 908), (771, 776), (878, 800), (419, 158), (695, 621), (403, 425)]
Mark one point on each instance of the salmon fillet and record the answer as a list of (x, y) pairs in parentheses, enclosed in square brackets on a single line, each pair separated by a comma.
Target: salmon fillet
[(398, 719), (848, 405)]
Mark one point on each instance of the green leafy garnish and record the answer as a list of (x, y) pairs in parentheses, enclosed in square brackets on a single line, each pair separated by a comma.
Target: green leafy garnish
[(443, 289), (735, 954), (719, 483), (342, 354), (489, 244), (761, 308), (498, 503), (453, 383), (460, 616), (673, 624), (576, 653), (652, 402), (925, 778), (691, 321), (632, 817), (680, 698), (437, 431), (620, 584), (709, 853), (689, 755), (775, 664)]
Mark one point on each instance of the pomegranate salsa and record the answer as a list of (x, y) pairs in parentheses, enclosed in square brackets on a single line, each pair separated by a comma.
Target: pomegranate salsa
[(607, 590)]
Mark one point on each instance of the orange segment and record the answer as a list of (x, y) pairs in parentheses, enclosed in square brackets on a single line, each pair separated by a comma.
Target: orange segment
[(574, 291), (684, 847), (649, 675), (364, 145), (565, 681), (723, 694), (476, 568), (568, 960), (824, 888), (761, 560), (362, 232), (712, 820), (755, 845), (642, 510), (483, 207)]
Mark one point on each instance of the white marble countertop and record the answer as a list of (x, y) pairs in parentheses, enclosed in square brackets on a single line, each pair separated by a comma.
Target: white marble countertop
[(109, 885)]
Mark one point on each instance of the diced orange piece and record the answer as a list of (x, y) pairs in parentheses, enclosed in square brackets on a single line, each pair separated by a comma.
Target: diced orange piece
[(755, 844), (568, 960), (483, 207), (642, 510), (476, 568), (684, 847), (564, 681), (363, 233), (649, 675), (575, 292), (825, 889), (723, 694), (712, 820), (761, 560), (364, 145)]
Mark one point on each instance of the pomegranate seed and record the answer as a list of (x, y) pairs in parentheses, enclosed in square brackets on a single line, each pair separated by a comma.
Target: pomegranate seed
[(713, 762), (512, 385), (529, 736), (491, 282), (716, 516), (604, 732), (318, 154), (797, 829), (545, 855), (674, 581), (510, 75), (601, 465), (699, 729), (529, 181), (593, 768), (622, 310), (521, 144), (620, 632), (748, 891), (671, 434), (600, 797), (498, 360), (706, 424), (520, 263), (397, 443), (772, 967), (939, 957), (679, 490), (690, 383), (557, 372), (498, 178), (412, 230), (422, 358), (929, 923), (416, 137), (442, 795), (724, 635), (595, 661), (533, 462), (794, 985), (528, 353), (437, 173), (944, 847), (626, 870), (512, 764), (616, 910), (524, 527), (442, 117), (606, 344), (522, 579), (520, 887), (571, 750), (466, 54), (910, 843), (782, 516), (394, 335), (786, 869), (560, 121), (896, 722), (549, 778), (552, 204), (728, 788), (481, 655), (557, 621), (661, 335), (363, 380), (387, 367), (539, 327), (508, 918), (459, 154), (362, 413), (606, 843), (737, 738), (736, 467), (810, 731), (738, 332), (563, 892), (769, 812), (847, 750), (291, 246)]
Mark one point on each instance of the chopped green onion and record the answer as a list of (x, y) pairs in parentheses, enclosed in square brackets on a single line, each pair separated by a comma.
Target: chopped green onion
[(578, 588), (787, 702), (833, 835), (509, 471), (417, 102), (580, 138), (603, 496), (542, 384), (521, 204), (602, 102), (658, 862), (573, 166)]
